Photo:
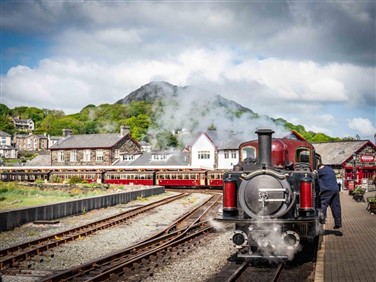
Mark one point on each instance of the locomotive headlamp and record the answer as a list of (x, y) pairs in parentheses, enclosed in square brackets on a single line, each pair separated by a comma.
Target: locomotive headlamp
[(239, 238)]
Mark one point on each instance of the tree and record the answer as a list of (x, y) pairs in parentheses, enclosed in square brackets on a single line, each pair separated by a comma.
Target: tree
[(138, 125), (7, 125), (4, 110)]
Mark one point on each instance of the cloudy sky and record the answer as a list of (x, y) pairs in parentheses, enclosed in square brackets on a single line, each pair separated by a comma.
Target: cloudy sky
[(309, 62)]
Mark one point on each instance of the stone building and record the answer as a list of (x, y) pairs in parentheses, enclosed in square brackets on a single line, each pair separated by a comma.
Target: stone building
[(93, 149), (30, 142), (23, 124)]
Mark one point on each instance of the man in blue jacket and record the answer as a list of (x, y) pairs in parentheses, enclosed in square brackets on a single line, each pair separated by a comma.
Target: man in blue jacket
[(329, 194)]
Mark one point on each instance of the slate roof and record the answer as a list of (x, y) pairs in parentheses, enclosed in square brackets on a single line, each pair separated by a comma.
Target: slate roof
[(175, 158), (40, 160), (82, 141), (4, 134), (224, 141), (335, 153)]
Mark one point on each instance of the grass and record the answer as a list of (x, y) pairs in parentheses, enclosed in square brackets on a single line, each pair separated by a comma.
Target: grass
[(14, 195)]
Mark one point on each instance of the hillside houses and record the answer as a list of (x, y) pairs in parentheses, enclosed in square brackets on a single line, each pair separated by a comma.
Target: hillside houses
[(26, 125), (6, 148)]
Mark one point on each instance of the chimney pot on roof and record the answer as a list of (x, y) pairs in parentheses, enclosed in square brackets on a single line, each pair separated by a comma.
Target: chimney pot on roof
[(67, 132)]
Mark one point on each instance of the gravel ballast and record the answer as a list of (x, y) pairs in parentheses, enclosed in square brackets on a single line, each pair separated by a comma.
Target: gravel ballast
[(198, 265)]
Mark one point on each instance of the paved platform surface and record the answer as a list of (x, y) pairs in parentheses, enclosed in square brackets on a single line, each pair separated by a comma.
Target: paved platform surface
[(349, 253)]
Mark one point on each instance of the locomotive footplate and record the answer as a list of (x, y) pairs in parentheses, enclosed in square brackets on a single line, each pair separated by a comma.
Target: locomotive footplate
[(264, 220)]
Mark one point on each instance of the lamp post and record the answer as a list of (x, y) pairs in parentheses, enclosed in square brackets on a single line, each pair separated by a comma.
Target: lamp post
[(354, 168)]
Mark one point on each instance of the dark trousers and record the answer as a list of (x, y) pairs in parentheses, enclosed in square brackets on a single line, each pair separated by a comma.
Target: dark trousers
[(331, 198)]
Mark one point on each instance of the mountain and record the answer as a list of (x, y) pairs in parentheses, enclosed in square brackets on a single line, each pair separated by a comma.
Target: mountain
[(162, 90), (193, 109)]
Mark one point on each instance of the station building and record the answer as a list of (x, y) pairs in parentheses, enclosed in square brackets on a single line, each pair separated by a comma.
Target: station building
[(353, 161)]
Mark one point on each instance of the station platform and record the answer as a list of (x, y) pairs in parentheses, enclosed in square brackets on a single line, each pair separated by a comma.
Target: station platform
[(348, 253)]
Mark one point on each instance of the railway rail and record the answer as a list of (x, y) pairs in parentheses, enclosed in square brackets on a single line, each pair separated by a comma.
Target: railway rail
[(11, 257), (247, 272), (148, 252)]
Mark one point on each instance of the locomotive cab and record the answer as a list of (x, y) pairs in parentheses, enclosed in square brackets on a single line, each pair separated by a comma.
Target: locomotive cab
[(270, 196)]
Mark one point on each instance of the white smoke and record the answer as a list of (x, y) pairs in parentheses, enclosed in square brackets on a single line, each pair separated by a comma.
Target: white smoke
[(196, 110), (271, 241)]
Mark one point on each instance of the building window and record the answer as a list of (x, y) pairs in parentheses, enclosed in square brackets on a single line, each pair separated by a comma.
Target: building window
[(117, 153), (60, 156), (234, 154), (159, 157), (86, 156), (99, 155), (227, 155), (128, 157), (73, 156), (203, 155)]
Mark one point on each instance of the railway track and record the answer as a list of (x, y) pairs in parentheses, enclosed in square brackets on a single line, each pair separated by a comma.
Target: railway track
[(142, 258), (301, 268), (12, 256), (245, 271)]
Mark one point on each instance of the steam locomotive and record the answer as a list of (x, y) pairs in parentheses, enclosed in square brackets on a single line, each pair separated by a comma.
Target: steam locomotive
[(271, 197)]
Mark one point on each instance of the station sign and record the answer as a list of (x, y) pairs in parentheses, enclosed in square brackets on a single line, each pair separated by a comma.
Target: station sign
[(367, 159)]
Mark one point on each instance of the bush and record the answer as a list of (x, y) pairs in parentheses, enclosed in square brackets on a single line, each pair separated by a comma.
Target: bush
[(75, 179), (56, 179), (359, 190)]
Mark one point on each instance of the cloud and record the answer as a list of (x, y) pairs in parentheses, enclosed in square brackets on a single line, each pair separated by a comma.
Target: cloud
[(261, 85), (298, 60), (322, 32), (363, 126)]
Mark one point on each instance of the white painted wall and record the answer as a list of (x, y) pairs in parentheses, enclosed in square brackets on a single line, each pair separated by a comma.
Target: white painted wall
[(227, 163), (203, 143)]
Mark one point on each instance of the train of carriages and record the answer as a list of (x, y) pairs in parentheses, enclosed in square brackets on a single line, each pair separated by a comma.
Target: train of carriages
[(174, 177), (272, 197)]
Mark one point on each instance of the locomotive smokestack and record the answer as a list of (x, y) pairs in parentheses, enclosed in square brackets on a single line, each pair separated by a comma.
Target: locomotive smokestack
[(265, 147)]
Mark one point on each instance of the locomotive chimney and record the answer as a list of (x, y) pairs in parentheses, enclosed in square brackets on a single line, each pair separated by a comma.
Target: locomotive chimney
[(265, 147)]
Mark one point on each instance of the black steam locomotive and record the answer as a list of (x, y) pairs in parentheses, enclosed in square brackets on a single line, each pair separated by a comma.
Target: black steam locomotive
[(271, 196)]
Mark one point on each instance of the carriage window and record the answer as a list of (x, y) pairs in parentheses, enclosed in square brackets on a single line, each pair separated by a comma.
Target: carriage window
[(302, 155), (248, 152)]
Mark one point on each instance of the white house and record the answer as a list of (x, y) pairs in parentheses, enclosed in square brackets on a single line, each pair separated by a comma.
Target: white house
[(211, 151), (5, 139), (8, 152), (203, 152), (23, 124)]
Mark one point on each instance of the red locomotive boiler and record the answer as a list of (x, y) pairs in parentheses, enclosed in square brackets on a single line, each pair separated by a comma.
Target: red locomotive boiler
[(270, 196)]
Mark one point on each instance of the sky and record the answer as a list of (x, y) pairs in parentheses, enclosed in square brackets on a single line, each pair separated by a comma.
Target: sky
[(309, 62)]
